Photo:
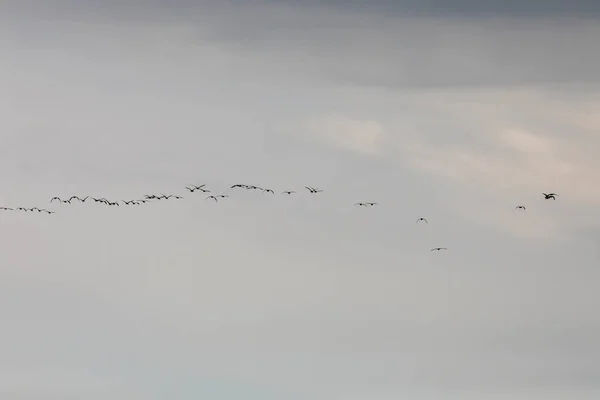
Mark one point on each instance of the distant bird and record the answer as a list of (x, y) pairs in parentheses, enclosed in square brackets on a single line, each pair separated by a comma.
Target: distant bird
[(288, 192), (150, 196), (520, 208), (6, 208), (239, 185), (365, 204), (312, 189), (438, 249), (203, 190), (129, 202), (113, 203), (100, 200), (549, 196), (422, 219), (194, 188), (49, 212), (268, 191), (217, 197), (252, 187), (76, 197), (22, 209), (61, 200)]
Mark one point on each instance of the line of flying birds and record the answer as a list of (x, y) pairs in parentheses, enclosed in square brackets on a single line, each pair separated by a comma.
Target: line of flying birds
[(202, 188)]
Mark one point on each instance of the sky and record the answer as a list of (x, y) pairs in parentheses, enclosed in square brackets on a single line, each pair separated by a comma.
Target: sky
[(455, 111)]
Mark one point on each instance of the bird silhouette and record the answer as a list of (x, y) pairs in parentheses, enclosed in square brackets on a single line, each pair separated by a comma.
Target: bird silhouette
[(268, 191), (288, 192), (6, 209), (520, 208), (438, 248), (422, 219), (549, 196), (193, 188), (312, 189), (365, 204), (77, 197), (60, 200)]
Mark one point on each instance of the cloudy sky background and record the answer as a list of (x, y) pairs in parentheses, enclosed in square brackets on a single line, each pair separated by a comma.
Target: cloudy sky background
[(450, 110)]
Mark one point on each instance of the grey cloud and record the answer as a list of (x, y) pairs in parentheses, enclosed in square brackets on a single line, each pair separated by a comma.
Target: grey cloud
[(581, 8), (386, 50)]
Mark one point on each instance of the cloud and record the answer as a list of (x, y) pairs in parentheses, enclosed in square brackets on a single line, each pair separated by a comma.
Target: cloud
[(362, 136)]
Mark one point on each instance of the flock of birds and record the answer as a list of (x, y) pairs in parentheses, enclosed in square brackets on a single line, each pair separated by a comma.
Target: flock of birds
[(216, 197)]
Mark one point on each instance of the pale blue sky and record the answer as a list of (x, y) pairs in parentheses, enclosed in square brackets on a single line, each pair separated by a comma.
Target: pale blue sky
[(458, 118)]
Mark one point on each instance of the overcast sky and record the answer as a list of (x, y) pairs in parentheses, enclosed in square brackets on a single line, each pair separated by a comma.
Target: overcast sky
[(451, 110)]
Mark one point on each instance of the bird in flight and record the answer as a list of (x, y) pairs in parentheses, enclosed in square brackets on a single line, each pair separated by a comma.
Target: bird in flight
[(421, 219), (59, 199), (6, 208), (76, 197), (549, 196), (216, 198), (365, 204), (520, 208), (312, 189), (288, 192), (438, 248), (239, 185), (268, 191), (194, 187)]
